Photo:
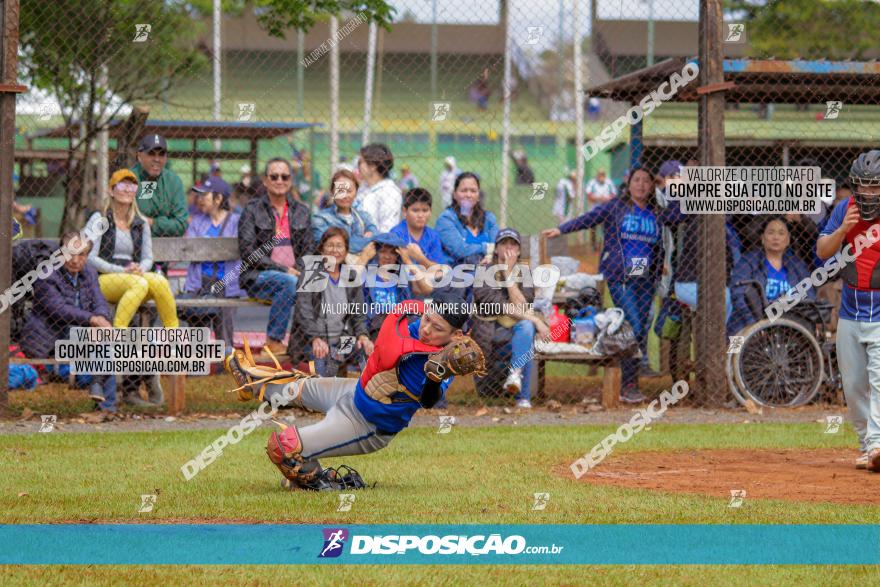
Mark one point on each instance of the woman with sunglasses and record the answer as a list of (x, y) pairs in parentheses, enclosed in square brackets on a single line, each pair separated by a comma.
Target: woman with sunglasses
[(124, 256), (329, 326)]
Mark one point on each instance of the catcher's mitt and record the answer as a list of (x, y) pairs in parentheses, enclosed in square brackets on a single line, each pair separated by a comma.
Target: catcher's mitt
[(462, 356), (253, 378)]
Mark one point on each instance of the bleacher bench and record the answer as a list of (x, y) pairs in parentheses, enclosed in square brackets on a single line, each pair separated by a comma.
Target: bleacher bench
[(611, 365)]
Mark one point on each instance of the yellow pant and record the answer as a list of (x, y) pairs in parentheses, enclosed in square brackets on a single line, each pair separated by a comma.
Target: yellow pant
[(128, 292)]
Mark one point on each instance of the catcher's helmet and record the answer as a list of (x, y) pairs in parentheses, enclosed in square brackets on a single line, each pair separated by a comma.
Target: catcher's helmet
[(866, 172)]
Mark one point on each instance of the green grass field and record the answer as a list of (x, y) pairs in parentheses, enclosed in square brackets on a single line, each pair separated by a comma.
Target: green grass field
[(446, 576), (472, 475), (420, 478)]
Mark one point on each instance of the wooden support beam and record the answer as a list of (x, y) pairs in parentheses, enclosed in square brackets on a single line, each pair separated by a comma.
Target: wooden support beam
[(9, 11), (711, 275)]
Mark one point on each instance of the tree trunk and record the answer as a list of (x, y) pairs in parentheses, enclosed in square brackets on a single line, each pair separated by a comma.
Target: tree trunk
[(77, 201)]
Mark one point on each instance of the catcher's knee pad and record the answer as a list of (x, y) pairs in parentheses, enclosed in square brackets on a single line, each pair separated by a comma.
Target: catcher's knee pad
[(285, 450)]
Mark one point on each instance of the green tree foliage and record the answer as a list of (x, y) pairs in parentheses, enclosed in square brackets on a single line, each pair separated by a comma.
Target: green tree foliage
[(809, 29), (84, 54), (278, 17)]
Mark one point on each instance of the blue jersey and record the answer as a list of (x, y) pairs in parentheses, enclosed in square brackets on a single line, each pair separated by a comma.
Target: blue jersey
[(394, 417), (860, 305), (638, 235), (777, 281), (429, 243)]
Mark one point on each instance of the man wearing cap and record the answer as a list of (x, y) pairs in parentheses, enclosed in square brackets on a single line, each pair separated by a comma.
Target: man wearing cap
[(507, 337), (160, 194), (600, 189)]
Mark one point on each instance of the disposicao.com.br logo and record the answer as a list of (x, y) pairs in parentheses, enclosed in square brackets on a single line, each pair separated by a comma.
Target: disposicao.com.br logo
[(477, 545)]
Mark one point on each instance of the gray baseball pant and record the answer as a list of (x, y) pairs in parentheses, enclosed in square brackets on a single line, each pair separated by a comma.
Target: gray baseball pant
[(343, 431), (858, 357)]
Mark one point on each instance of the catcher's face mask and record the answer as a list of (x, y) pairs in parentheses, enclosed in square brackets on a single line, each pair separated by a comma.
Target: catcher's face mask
[(867, 196)]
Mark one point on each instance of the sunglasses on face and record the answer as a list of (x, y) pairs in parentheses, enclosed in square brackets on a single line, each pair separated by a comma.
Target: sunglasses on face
[(281, 176), (127, 187), (157, 153)]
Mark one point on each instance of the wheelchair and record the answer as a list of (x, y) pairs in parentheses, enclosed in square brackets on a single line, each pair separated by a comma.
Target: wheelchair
[(787, 362)]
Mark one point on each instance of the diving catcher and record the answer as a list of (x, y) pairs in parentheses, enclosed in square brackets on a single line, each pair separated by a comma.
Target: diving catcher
[(417, 352)]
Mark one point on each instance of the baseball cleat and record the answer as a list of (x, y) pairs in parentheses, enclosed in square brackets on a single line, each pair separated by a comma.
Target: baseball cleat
[(631, 395), (862, 461), (339, 479)]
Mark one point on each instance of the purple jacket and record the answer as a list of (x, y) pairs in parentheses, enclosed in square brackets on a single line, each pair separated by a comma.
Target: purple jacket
[(55, 309), (231, 269)]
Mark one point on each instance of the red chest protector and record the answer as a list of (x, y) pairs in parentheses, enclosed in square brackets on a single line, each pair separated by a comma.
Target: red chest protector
[(864, 272), (394, 341)]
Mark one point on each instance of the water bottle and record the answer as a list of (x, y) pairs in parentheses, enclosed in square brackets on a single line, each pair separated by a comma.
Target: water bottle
[(585, 326)]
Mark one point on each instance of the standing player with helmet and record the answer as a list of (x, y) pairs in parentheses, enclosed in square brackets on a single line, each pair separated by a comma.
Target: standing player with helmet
[(858, 331), (413, 363)]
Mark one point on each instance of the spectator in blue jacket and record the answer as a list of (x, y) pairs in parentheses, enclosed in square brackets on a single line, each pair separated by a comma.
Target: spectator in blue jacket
[(343, 212), (213, 218), (421, 241), (631, 261), (467, 231), (70, 297), (774, 266), (388, 281)]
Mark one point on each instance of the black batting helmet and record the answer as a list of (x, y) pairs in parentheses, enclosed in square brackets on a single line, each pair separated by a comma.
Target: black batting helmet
[(865, 172)]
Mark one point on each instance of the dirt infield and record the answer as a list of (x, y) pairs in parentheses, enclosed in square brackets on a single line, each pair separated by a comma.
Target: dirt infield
[(816, 475)]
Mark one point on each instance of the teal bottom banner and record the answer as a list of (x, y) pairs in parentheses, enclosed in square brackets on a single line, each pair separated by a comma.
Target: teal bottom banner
[(163, 544)]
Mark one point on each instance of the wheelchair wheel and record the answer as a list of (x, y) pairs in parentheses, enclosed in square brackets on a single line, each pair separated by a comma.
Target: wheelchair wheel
[(779, 365)]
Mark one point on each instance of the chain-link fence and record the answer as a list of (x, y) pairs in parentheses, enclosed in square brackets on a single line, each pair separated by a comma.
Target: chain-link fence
[(472, 117)]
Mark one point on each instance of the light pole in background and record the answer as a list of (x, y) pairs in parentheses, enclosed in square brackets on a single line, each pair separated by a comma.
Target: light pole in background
[(368, 90), (217, 69), (334, 94), (433, 49), (650, 55)]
